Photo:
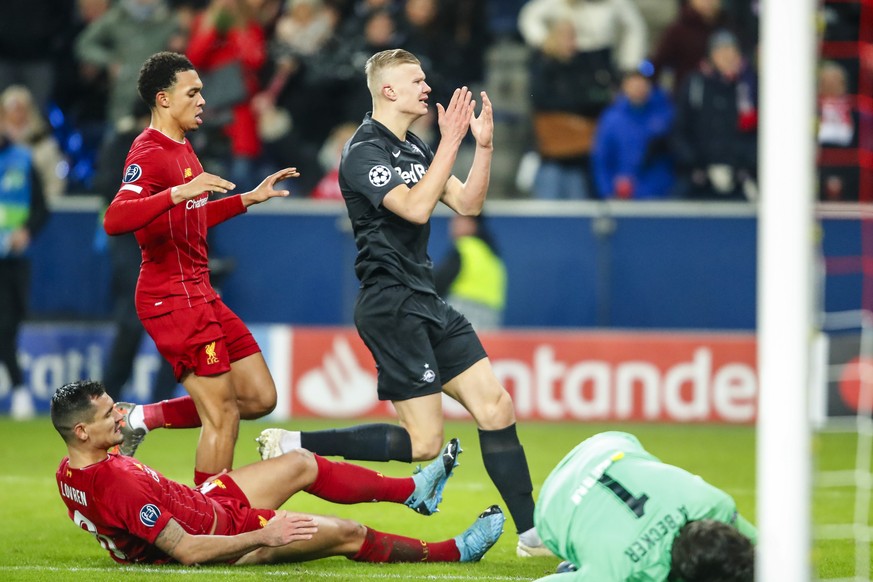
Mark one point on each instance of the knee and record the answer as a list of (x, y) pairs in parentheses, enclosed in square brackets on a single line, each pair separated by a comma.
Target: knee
[(258, 403), (425, 448), (497, 413), (300, 464), (265, 401), (350, 536)]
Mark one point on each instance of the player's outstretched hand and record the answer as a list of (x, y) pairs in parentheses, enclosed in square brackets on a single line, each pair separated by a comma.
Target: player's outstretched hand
[(204, 182), (266, 189), (482, 126), (454, 120), (285, 528)]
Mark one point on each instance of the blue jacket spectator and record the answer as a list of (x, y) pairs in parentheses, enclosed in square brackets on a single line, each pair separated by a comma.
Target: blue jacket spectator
[(630, 158)]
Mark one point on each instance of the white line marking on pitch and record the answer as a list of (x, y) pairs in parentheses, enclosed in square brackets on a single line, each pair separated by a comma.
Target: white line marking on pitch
[(241, 571)]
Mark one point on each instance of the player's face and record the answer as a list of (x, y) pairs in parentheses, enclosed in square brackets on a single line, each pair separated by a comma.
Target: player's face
[(104, 428), (410, 89), (186, 101)]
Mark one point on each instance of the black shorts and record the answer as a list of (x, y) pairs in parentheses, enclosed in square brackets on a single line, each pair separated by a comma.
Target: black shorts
[(419, 342)]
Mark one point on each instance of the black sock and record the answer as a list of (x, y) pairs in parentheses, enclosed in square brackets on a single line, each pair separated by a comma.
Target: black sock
[(506, 464), (365, 442)]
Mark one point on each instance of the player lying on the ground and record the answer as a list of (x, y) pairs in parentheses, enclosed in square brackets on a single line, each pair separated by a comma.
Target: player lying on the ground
[(617, 513), (138, 515)]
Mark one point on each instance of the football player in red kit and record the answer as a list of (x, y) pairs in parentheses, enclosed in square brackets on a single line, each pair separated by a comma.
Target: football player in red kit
[(140, 516), (164, 201)]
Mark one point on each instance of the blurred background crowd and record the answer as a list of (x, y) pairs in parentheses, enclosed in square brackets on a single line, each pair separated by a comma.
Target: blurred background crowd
[(594, 99)]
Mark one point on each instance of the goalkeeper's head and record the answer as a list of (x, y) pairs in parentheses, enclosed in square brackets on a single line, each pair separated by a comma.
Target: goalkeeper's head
[(712, 551)]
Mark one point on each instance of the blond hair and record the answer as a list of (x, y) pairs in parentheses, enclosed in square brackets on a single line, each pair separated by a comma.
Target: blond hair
[(386, 60)]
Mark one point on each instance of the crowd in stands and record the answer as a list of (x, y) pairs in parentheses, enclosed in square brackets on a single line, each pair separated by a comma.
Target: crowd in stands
[(629, 99)]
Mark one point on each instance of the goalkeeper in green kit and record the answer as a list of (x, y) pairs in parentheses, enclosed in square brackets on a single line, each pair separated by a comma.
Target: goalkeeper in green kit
[(618, 514)]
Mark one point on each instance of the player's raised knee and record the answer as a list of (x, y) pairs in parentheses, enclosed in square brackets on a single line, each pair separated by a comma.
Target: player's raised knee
[(427, 449)]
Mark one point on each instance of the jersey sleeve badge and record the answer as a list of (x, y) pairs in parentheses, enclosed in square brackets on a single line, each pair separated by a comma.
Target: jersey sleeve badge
[(132, 173), (379, 175)]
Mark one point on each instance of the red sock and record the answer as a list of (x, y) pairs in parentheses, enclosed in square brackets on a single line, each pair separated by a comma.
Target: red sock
[(200, 476), (385, 547), (175, 413), (346, 483)]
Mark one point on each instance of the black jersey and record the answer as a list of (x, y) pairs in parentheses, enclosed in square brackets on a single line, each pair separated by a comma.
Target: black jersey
[(391, 250)]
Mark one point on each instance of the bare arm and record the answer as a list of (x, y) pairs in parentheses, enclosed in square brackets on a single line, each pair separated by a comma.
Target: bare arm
[(416, 204), (284, 528), (468, 198)]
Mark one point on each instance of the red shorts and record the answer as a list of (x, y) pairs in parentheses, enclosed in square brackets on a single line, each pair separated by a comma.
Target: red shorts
[(204, 339), (232, 509)]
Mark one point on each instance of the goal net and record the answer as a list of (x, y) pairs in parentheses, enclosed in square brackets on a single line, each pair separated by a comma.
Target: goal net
[(842, 396)]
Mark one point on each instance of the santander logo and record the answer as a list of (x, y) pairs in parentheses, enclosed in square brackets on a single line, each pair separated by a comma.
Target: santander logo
[(551, 389), (555, 376)]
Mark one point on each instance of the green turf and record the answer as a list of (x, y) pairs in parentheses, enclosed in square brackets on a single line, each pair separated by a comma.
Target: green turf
[(39, 542)]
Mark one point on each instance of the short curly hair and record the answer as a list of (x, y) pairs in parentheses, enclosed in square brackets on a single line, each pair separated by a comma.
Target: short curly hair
[(711, 551), (158, 74)]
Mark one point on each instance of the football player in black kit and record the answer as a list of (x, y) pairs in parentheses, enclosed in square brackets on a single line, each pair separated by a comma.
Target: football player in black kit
[(391, 182)]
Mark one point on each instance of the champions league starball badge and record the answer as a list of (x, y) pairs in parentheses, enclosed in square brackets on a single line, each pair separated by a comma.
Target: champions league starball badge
[(379, 176)]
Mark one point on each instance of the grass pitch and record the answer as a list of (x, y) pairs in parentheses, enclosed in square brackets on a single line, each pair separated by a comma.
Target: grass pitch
[(39, 542)]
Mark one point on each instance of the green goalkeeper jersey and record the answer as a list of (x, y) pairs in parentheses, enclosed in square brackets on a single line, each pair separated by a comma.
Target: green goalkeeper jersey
[(613, 510)]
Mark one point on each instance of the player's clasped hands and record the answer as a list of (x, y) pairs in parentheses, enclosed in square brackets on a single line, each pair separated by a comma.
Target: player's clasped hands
[(454, 119), (482, 126), (285, 528)]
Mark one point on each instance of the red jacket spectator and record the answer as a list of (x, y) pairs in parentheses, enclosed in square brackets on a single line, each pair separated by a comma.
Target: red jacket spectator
[(222, 33)]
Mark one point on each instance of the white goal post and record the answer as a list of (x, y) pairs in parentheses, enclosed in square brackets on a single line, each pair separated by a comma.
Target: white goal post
[(785, 289)]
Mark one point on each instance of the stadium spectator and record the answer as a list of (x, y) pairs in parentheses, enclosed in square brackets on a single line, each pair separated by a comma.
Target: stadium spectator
[(472, 276), (467, 25), (392, 181), (23, 213), (228, 43), (616, 512), (714, 142), (329, 157), (26, 126), (615, 26), (658, 15), (354, 23), (380, 32), (305, 27), (423, 34), (836, 116), (307, 85), (837, 128), (569, 89), (140, 516), (33, 33), (631, 153), (683, 45), (119, 41), (212, 352), (125, 258)]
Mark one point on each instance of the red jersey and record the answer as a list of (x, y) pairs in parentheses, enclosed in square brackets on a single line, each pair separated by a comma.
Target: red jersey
[(174, 273), (126, 504)]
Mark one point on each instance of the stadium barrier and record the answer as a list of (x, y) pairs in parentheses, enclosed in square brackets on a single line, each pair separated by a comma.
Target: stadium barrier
[(562, 376)]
